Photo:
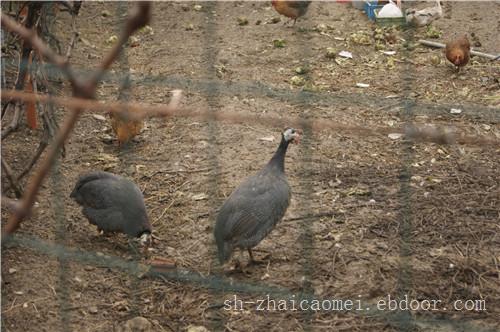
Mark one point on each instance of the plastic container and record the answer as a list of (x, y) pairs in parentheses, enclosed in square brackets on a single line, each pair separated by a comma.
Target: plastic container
[(370, 7), (388, 21)]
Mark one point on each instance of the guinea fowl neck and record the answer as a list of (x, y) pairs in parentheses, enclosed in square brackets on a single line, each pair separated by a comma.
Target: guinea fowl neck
[(278, 160)]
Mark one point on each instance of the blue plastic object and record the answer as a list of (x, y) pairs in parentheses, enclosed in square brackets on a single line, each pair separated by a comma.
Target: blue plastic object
[(370, 6)]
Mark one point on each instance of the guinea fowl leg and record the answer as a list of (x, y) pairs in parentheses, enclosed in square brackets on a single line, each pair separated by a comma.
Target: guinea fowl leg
[(252, 260)]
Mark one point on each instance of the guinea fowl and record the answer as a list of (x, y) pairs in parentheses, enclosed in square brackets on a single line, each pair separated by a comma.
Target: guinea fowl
[(256, 206), (114, 204)]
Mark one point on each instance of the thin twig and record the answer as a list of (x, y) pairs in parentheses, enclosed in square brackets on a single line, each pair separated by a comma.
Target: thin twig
[(12, 179)]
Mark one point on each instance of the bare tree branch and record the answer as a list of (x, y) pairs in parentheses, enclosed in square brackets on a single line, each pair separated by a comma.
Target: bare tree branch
[(83, 89)]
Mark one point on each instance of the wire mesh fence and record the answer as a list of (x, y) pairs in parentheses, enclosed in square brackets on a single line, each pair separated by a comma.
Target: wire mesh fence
[(309, 243)]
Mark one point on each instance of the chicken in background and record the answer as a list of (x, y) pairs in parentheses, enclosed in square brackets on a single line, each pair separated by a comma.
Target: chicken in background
[(291, 9), (424, 16), (124, 127), (458, 51)]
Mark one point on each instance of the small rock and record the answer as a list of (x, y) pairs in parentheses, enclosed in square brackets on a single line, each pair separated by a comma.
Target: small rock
[(189, 27), (193, 328), (455, 111), (321, 28), (93, 310), (362, 85), (258, 22), (137, 324), (197, 7), (105, 13), (297, 81), (12, 270), (301, 70), (275, 20), (331, 53), (112, 39), (133, 41)]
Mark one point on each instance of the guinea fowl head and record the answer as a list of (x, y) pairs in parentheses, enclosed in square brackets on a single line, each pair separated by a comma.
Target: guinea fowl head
[(145, 239), (292, 135)]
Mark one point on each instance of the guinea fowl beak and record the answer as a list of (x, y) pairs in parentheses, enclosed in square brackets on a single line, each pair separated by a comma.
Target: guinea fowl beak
[(296, 139)]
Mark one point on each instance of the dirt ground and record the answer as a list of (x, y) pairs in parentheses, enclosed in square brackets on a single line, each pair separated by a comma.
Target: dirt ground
[(370, 216)]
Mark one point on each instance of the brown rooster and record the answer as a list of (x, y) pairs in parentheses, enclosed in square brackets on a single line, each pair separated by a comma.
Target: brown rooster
[(458, 51), (125, 128), (291, 9)]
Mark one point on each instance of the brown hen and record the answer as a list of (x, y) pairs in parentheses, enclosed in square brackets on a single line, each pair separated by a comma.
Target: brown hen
[(291, 9), (124, 127), (458, 51)]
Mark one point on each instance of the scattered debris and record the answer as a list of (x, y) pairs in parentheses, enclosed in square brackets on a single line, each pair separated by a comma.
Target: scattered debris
[(267, 139), (111, 40), (242, 20), (199, 197), (297, 80), (433, 32), (395, 136), (193, 328), (345, 54), (301, 70), (279, 43), (99, 117)]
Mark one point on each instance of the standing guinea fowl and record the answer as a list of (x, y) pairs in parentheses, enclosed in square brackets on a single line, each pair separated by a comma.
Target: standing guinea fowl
[(256, 206), (291, 9), (113, 204)]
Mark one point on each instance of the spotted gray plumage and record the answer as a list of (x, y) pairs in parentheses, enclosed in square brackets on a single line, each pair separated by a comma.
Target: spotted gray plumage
[(255, 206), (112, 203)]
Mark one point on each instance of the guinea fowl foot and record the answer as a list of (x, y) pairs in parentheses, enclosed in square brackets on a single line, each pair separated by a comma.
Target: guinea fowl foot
[(254, 261), (238, 268)]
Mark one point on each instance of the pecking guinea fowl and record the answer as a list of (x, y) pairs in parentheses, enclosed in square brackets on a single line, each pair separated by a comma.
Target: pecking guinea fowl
[(256, 206), (114, 204)]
